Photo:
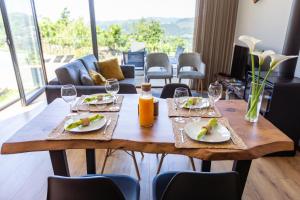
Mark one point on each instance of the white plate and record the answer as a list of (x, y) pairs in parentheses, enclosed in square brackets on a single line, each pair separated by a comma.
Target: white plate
[(204, 103), (94, 125), (218, 134), (106, 100)]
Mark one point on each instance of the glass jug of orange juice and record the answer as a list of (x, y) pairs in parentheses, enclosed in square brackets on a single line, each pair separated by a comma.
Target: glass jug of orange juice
[(146, 106)]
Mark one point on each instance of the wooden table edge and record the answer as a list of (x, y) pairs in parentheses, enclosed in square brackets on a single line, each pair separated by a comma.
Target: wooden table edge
[(148, 147)]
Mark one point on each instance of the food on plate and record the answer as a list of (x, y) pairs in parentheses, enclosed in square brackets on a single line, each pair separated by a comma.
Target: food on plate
[(192, 101), (207, 128), (98, 97), (84, 121)]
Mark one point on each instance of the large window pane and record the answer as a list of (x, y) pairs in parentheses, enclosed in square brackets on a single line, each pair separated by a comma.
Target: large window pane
[(157, 25), (65, 31), (8, 84), (26, 44)]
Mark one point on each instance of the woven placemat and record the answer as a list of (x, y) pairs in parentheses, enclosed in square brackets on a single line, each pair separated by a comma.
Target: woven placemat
[(182, 112), (59, 133), (235, 143), (98, 108)]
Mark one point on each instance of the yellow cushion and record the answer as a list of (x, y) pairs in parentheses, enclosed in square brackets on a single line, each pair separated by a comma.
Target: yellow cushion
[(97, 78), (110, 69)]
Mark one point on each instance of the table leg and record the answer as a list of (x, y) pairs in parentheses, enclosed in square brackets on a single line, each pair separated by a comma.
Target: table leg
[(242, 167), (206, 165), (59, 162), (90, 161)]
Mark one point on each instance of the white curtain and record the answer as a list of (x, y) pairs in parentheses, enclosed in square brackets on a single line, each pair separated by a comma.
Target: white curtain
[(215, 22)]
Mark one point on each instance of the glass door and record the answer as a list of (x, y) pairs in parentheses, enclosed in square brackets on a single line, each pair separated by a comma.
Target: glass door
[(26, 47), (9, 92)]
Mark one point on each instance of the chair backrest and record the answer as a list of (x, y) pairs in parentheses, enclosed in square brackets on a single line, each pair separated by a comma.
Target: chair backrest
[(81, 188), (192, 59), (134, 58), (212, 186), (239, 62), (169, 89), (158, 60)]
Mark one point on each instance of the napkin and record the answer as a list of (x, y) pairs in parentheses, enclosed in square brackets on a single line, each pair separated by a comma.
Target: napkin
[(95, 97), (81, 121), (192, 101), (205, 129)]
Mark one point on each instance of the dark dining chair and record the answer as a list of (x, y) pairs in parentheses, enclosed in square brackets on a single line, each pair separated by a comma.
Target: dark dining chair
[(197, 185), (136, 58), (168, 92), (93, 188), (169, 89)]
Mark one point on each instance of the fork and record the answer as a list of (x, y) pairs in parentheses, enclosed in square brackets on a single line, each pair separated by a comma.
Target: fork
[(107, 124)]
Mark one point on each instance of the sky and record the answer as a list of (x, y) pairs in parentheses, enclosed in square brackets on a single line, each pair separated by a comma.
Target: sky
[(107, 10)]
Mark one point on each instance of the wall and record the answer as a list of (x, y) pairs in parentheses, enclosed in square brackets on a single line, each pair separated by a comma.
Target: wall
[(266, 20)]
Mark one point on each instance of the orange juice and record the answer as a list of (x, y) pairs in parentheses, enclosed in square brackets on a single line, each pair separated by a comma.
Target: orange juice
[(146, 111), (146, 106)]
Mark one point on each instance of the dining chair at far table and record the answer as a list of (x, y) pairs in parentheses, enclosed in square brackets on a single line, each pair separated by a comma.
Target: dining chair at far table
[(93, 188), (197, 68), (168, 92), (160, 61), (197, 185)]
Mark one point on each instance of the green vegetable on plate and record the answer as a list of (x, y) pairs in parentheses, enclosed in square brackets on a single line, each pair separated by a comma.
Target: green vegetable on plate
[(84, 121), (207, 128)]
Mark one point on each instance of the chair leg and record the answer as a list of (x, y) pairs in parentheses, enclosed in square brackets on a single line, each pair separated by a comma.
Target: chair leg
[(105, 159), (135, 165), (142, 154), (160, 162), (180, 80), (201, 83), (170, 79), (165, 81), (193, 164)]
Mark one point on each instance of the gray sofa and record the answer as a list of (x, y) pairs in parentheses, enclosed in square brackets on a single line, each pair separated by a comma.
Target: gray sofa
[(76, 73)]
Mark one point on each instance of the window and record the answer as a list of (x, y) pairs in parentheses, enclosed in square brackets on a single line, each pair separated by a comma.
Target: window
[(65, 31), (8, 84), (154, 25), (26, 48)]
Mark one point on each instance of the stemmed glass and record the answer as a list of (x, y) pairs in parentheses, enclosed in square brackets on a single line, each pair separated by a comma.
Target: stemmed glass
[(112, 87), (180, 97), (68, 94), (214, 94)]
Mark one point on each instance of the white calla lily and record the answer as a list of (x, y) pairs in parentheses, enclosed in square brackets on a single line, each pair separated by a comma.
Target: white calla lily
[(249, 41), (277, 59), (262, 55)]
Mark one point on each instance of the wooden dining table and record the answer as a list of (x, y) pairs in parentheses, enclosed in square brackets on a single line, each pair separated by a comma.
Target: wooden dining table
[(261, 138)]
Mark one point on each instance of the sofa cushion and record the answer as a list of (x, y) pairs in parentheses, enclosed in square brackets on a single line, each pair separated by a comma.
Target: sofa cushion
[(85, 78), (97, 78), (70, 73), (89, 62), (110, 69)]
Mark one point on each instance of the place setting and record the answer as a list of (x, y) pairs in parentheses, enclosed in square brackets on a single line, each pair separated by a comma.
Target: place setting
[(182, 105), (86, 126), (84, 123), (199, 124), (214, 133), (101, 102)]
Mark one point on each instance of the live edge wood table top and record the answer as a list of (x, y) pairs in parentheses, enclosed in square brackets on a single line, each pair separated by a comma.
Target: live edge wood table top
[(261, 138)]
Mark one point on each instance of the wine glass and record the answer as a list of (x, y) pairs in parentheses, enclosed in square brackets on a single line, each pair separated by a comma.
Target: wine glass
[(68, 94), (214, 94), (112, 87), (180, 97)]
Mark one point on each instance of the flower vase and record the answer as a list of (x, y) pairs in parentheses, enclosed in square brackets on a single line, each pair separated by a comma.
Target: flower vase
[(254, 102)]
